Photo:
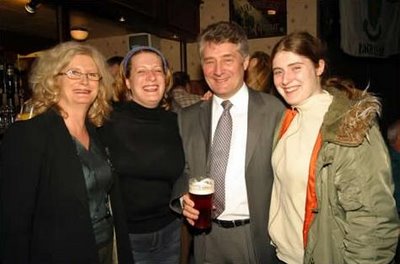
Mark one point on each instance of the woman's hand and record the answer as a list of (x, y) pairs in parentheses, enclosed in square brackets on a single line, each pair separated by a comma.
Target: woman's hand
[(207, 96)]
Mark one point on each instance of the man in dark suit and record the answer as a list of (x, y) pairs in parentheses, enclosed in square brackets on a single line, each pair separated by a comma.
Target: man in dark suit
[(239, 234)]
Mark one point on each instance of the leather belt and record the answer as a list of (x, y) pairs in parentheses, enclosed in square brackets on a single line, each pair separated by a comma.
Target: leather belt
[(232, 223)]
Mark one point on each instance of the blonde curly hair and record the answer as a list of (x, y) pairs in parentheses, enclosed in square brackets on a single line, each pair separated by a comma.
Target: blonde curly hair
[(46, 91)]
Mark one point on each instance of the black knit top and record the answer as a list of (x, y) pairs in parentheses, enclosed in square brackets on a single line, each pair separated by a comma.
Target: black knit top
[(146, 152)]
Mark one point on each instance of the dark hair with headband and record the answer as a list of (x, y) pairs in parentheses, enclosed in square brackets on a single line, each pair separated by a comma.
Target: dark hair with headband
[(126, 62), (121, 91)]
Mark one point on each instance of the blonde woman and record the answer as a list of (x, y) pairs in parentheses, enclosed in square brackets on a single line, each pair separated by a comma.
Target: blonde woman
[(56, 178)]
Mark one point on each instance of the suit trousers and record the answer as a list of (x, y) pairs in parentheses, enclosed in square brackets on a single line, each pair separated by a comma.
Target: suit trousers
[(225, 245)]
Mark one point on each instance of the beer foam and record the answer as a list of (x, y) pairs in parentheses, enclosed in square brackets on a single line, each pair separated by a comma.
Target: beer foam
[(202, 187)]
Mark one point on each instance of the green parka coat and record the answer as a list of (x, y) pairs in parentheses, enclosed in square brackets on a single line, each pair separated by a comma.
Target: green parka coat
[(356, 219)]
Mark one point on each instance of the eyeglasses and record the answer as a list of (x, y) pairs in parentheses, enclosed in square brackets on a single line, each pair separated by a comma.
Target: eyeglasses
[(77, 75)]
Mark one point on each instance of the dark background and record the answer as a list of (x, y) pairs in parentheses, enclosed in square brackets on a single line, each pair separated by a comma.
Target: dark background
[(383, 75)]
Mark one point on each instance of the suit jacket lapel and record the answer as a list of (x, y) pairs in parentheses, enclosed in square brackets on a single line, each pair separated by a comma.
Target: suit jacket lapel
[(205, 122), (254, 124), (74, 177)]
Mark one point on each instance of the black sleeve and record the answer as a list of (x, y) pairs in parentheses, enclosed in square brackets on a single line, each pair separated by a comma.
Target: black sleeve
[(120, 224), (21, 156)]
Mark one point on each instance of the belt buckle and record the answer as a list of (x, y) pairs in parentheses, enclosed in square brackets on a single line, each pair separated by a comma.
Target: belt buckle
[(236, 223), (231, 223)]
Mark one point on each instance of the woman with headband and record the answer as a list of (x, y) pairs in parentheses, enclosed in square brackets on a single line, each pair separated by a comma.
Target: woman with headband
[(146, 151)]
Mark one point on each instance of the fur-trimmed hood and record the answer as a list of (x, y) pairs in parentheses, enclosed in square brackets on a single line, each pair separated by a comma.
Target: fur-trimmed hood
[(350, 116)]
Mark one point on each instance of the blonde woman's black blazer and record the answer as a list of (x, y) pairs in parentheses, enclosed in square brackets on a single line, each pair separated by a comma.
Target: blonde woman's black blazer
[(44, 212)]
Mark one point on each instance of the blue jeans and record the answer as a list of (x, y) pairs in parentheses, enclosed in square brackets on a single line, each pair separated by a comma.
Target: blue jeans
[(161, 247)]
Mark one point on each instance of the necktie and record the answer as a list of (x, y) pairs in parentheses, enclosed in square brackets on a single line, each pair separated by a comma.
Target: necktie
[(219, 156)]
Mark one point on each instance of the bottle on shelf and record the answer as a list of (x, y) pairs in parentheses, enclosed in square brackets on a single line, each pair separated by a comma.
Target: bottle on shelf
[(2, 72), (11, 94), (10, 84), (17, 88), (3, 96)]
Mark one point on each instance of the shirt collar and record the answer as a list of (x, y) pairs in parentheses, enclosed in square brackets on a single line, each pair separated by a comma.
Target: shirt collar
[(238, 100)]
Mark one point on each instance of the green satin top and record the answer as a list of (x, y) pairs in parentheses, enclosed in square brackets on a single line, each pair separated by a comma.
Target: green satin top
[(98, 179)]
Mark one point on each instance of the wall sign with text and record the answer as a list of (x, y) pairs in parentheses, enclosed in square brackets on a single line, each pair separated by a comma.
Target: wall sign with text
[(260, 18)]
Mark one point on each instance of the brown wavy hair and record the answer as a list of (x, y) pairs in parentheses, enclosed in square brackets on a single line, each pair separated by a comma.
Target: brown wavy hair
[(303, 44), (257, 77), (306, 45)]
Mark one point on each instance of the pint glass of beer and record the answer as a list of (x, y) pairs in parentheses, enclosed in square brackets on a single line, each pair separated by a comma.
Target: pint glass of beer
[(201, 191)]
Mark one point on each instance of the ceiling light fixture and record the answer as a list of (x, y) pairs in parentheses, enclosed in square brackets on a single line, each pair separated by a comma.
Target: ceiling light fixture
[(121, 19), (31, 6), (79, 33)]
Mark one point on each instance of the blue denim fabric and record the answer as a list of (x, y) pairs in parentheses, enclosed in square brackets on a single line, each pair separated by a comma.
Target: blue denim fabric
[(161, 247)]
